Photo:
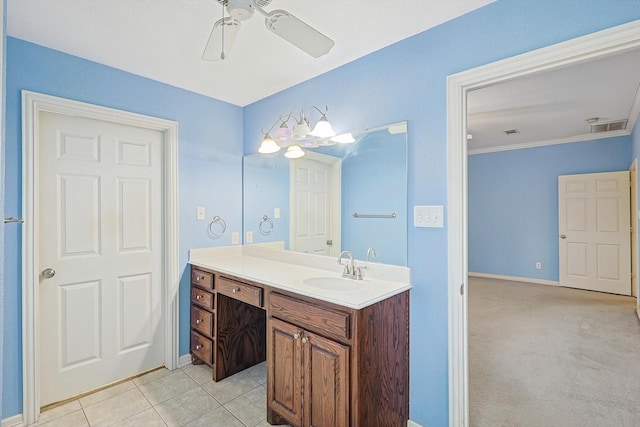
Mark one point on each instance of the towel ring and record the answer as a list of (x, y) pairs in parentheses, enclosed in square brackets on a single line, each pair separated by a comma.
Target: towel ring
[(266, 225), (217, 220)]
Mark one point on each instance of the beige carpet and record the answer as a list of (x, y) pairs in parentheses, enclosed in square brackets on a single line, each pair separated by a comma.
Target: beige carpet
[(550, 356)]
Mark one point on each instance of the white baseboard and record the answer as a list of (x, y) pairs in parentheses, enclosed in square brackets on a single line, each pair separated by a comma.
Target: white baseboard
[(15, 421), (516, 279), (184, 360), (411, 423)]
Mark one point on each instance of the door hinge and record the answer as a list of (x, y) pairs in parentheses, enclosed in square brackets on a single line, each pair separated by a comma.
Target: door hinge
[(462, 289)]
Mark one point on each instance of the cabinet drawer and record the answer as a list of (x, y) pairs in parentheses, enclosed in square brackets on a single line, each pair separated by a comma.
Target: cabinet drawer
[(202, 321), (240, 291), (202, 298), (201, 278), (201, 347), (308, 315)]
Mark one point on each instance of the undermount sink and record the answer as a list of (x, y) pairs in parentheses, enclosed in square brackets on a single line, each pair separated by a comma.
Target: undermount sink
[(333, 283)]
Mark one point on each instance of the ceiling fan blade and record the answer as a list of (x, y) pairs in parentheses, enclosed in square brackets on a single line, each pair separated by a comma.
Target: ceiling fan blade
[(223, 33), (298, 33)]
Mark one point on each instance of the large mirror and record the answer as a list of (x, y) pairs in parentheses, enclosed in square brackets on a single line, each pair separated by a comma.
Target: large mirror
[(342, 196)]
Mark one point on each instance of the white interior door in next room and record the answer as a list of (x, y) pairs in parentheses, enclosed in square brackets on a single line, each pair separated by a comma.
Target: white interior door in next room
[(594, 232), (100, 249)]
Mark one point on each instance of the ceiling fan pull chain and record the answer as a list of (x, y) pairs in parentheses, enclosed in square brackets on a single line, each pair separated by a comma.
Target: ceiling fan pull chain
[(223, 25)]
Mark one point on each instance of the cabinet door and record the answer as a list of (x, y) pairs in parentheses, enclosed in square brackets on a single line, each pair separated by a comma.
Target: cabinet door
[(284, 370), (326, 382)]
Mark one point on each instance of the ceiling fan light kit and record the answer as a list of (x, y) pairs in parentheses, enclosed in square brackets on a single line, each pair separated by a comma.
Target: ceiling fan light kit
[(279, 22)]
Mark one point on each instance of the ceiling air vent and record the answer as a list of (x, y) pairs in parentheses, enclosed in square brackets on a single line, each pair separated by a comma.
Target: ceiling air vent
[(609, 126), (511, 131)]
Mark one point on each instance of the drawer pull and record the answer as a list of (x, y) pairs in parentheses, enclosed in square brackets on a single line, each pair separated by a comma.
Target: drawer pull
[(198, 321), (198, 296), (198, 278), (305, 340), (296, 336), (235, 290), (198, 347)]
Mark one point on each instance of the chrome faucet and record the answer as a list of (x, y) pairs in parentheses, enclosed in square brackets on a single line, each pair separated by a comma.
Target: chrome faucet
[(371, 253), (350, 269)]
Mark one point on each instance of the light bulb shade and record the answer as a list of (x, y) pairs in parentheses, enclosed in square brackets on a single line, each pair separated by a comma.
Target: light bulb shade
[(294, 152), (301, 130), (345, 138), (323, 129), (283, 133), (268, 146)]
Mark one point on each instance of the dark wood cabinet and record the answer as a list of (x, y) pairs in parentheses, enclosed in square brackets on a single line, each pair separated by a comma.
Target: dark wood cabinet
[(327, 365), (227, 333)]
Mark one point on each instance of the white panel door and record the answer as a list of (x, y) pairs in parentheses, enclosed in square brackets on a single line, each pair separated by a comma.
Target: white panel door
[(311, 206), (99, 210), (594, 232)]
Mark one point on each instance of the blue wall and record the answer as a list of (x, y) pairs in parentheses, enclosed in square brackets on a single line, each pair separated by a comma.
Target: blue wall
[(407, 81), (513, 199), (210, 172)]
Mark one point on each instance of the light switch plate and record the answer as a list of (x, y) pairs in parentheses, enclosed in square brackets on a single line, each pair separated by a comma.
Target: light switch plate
[(200, 213), (276, 213), (235, 238), (249, 237), (428, 216)]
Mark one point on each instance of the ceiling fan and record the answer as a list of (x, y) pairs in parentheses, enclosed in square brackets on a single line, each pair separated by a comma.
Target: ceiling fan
[(279, 22)]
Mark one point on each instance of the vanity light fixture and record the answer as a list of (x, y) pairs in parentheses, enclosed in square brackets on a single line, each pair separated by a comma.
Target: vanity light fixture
[(294, 152), (268, 145), (345, 138)]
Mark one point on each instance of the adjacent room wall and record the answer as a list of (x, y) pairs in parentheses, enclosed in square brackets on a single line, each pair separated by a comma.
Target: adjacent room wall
[(210, 167), (407, 81), (513, 203)]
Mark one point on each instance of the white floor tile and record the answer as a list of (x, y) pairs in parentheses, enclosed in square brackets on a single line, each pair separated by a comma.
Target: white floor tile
[(199, 373), (217, 418), (74, 419), (250, 408), (148, 418), (57, 412), (230, 388), (116, 408), (186, 407), (107, 393), (167, 387)]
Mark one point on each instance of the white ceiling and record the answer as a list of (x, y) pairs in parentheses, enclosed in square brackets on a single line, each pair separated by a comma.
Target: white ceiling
[(164, 39), (551, 107)]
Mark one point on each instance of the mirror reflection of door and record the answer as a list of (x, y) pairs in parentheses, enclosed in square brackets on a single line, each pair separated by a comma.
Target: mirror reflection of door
[(314, 204)]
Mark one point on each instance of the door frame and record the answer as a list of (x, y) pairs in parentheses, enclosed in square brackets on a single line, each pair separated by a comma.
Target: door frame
[(335, 163), (32, 105), (585, 48)]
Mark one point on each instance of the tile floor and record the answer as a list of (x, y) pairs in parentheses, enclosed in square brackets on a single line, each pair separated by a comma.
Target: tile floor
[(183, 397)]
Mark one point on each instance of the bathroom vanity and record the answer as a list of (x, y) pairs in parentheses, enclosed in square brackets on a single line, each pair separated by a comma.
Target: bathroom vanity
[(337, 350)]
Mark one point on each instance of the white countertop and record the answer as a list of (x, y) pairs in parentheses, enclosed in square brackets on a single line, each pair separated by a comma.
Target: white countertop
[(288, 271)]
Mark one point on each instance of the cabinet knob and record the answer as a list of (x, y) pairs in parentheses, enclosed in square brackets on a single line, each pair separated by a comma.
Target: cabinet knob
[(198, 321), (198, 296), (198, 278), (296, 336), (198, 347), (305, 340), (234, 290)]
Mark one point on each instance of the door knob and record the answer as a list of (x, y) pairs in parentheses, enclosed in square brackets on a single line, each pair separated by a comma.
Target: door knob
[(48, 273), (562, 236)]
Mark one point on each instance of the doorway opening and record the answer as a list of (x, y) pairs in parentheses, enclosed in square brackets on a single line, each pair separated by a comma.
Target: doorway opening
[(607, 42)]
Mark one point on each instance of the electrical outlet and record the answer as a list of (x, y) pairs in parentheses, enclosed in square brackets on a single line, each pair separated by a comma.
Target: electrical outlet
[(249, 237), (276, 213), (538, 265), (200, 214), (235, 238)]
